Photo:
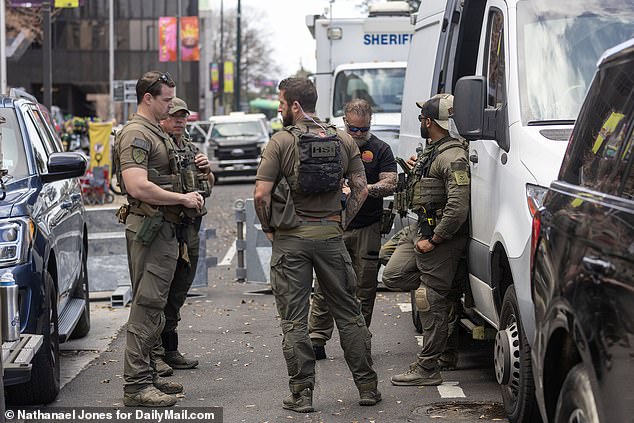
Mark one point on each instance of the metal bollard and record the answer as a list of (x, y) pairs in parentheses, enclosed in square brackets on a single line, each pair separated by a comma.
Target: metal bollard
[(240, 213)]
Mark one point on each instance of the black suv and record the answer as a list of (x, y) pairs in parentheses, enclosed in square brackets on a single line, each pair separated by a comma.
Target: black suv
[(43, 242), (583, 272)]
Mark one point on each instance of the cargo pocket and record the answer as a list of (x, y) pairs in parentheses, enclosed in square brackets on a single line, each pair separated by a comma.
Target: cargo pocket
[(155, 285), (291, 360), (279, 283), (351, 277), (422, 302)]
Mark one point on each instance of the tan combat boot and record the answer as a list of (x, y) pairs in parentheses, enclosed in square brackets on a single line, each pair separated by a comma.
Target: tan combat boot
[(301, 402), (161, 367), (166, 386), (417, 376), (148, 397)]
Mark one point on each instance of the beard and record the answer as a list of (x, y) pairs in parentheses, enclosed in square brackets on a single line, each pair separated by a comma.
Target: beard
[(287, 119), (363, 139)]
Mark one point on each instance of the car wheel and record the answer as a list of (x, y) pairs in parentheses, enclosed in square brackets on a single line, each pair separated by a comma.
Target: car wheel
[(44, 384), (82, 291), (415, 317), (513, 364), (576, 403)]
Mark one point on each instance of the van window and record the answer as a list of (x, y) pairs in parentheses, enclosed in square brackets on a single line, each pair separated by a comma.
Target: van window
[(496, 66), (602, 140), (559, 43)]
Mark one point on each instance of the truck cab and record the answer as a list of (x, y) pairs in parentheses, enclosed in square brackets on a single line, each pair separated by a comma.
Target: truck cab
[(363, 58)]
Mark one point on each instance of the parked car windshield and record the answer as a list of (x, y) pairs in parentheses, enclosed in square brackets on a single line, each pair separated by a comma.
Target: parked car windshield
[(237, 129), (559, 45), (12, 154), (382, 88)]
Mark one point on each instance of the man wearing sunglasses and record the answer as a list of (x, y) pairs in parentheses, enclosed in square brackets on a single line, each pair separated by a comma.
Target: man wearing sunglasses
[(427, 254), (145, 157), (363, 234), (195, 176)]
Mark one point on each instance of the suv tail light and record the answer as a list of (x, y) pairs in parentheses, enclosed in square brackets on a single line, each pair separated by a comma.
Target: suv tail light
[(534, 198)]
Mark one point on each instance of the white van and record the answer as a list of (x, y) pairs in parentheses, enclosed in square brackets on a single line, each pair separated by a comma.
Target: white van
[(519, 70)]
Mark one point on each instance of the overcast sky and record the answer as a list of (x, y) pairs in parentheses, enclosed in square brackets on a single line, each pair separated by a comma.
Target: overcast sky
[(286, 22)]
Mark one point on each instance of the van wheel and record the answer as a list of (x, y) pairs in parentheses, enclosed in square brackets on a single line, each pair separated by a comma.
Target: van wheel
[(513, 364), (576, 403), (415, 317), (44, 384), (82, 291)]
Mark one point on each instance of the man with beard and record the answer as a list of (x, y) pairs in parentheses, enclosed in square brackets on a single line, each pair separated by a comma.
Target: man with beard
[(143, 157), (363, 234), (313, 157), (195, 176), (439, 192)]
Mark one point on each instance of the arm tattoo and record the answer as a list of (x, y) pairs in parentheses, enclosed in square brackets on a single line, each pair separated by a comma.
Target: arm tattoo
[(384, 187), (263, 209), (358, 194)]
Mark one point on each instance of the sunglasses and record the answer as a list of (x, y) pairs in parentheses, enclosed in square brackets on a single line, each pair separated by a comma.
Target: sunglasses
[(165, 78), (421, 117), (355, 129)]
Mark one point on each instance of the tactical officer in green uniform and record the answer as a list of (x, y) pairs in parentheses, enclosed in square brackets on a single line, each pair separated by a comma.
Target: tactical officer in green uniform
[(196, 176), (363, 234), (146, 160), (439, 190), (311, 158)]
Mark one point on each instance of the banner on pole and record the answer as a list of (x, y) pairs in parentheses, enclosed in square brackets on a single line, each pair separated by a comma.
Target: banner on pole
[(228, 77), (190, 50), (99, 135), (214, 77), (167, 39)]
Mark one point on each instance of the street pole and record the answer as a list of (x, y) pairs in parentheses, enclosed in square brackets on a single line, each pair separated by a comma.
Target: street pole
[(3, 49), (47, 80), (236, 92), (111, 56), (221, 66), (178, 52)]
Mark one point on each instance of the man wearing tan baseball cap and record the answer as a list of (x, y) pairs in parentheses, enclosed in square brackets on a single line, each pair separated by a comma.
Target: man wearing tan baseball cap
[(195, 175)]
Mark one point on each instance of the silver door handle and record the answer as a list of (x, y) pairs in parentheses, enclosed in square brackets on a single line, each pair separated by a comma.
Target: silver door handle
[(597, 266)]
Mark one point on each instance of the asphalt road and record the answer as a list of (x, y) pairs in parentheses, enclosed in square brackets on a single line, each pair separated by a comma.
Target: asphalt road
[(233, 330)]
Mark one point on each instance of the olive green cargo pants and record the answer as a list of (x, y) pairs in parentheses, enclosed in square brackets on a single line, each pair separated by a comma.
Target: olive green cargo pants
[(292, 262), (363, 245), (402, 273), (182, 281), (151, 271)]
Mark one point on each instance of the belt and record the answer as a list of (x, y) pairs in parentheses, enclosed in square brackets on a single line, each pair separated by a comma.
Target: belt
[(333, 220), (166, 217)]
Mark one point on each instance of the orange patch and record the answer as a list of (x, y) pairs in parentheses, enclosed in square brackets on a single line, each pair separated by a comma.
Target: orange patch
[(367, 156)]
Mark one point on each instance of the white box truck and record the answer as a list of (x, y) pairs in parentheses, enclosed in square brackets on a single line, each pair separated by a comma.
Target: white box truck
[(363, 58), (519, 70)]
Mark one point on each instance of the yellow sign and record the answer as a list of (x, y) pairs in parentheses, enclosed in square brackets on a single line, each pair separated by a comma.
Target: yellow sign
[(66, 3), (607, 129), (99, 135), (228, 77)]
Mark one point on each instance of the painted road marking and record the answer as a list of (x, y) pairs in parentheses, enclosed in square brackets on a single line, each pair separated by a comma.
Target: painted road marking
[(405, 307), (450, 389), (226, 261)]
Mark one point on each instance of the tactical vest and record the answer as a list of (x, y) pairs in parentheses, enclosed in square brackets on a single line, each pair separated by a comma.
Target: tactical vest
[(424, 192), (191, 178), (318, 165), (171, 182)]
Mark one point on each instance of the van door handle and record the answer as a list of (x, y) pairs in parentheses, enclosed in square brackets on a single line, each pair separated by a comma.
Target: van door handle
[(597, 266), (473, 158)]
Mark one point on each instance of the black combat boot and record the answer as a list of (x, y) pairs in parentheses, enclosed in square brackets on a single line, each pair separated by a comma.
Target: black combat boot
[(173, 357), (300, 400)]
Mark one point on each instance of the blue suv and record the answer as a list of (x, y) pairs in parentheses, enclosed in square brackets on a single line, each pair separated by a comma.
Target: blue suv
[(43, 242)]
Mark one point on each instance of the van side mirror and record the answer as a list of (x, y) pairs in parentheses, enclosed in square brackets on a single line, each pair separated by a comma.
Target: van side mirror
[(64, 166), (474, 119)]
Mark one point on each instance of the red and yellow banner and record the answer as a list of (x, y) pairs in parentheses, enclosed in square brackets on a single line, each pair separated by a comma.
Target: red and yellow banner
[(167, 39), (214, 77), (190, 51)]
